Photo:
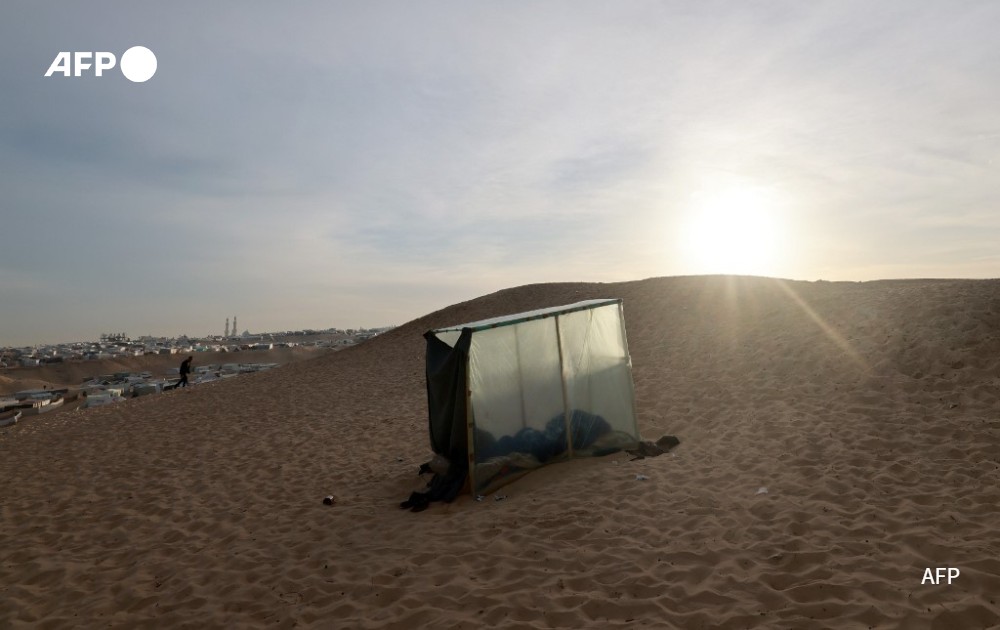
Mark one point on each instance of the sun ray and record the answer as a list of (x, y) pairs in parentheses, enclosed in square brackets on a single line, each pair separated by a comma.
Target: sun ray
[(828, 330)]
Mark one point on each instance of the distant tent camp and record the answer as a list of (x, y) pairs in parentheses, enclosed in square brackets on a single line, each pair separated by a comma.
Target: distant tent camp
[(510, 394)]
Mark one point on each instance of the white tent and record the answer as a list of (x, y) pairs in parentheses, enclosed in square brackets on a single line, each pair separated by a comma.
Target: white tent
[(509, 394)]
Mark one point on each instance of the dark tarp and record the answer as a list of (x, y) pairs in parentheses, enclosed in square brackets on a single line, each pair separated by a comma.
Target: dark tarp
[(447, 378), (447, 371)]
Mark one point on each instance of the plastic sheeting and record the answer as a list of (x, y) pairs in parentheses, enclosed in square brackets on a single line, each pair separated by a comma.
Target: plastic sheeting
[(535, 388)]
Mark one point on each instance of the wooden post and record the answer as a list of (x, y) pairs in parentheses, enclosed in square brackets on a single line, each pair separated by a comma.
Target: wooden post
[(628, 369), (470, 422), (565, 393)]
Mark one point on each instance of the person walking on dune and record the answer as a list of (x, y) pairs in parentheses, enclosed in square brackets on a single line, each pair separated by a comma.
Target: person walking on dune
[(185, 370)]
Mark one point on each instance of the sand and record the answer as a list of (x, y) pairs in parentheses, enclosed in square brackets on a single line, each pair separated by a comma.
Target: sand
[(868, 412)]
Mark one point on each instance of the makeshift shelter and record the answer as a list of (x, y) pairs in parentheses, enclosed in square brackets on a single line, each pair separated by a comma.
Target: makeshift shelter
[(510, 394)]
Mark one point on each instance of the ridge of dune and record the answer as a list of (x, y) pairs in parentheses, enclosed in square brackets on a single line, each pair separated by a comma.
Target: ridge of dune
[(837, 439)]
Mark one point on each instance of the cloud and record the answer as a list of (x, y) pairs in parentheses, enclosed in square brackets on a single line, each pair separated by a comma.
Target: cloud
[(335, 155)]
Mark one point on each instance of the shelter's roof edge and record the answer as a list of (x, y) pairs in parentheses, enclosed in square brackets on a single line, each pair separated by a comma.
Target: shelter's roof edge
[(526, 316)]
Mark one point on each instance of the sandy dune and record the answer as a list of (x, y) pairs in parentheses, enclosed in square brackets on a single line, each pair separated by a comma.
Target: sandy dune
[(870, 412)]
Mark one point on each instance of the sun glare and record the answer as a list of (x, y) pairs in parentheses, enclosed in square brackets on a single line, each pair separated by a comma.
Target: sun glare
[(734, 231)]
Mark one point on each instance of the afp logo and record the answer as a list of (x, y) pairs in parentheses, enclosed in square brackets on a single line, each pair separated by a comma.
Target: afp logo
[(138, 64)]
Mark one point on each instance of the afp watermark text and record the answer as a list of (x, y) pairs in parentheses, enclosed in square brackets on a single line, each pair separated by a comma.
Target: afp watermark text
[(138, 64)]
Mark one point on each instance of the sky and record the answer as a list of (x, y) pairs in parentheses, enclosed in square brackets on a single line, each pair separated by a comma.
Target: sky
[(347, 164)]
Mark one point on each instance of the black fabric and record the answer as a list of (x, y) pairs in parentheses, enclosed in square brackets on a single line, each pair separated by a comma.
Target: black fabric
[(441, 488), (447, 372), (648, 449), (447, 408)]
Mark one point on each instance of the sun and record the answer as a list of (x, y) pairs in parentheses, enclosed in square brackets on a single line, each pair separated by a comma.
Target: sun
[(733, 231)]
